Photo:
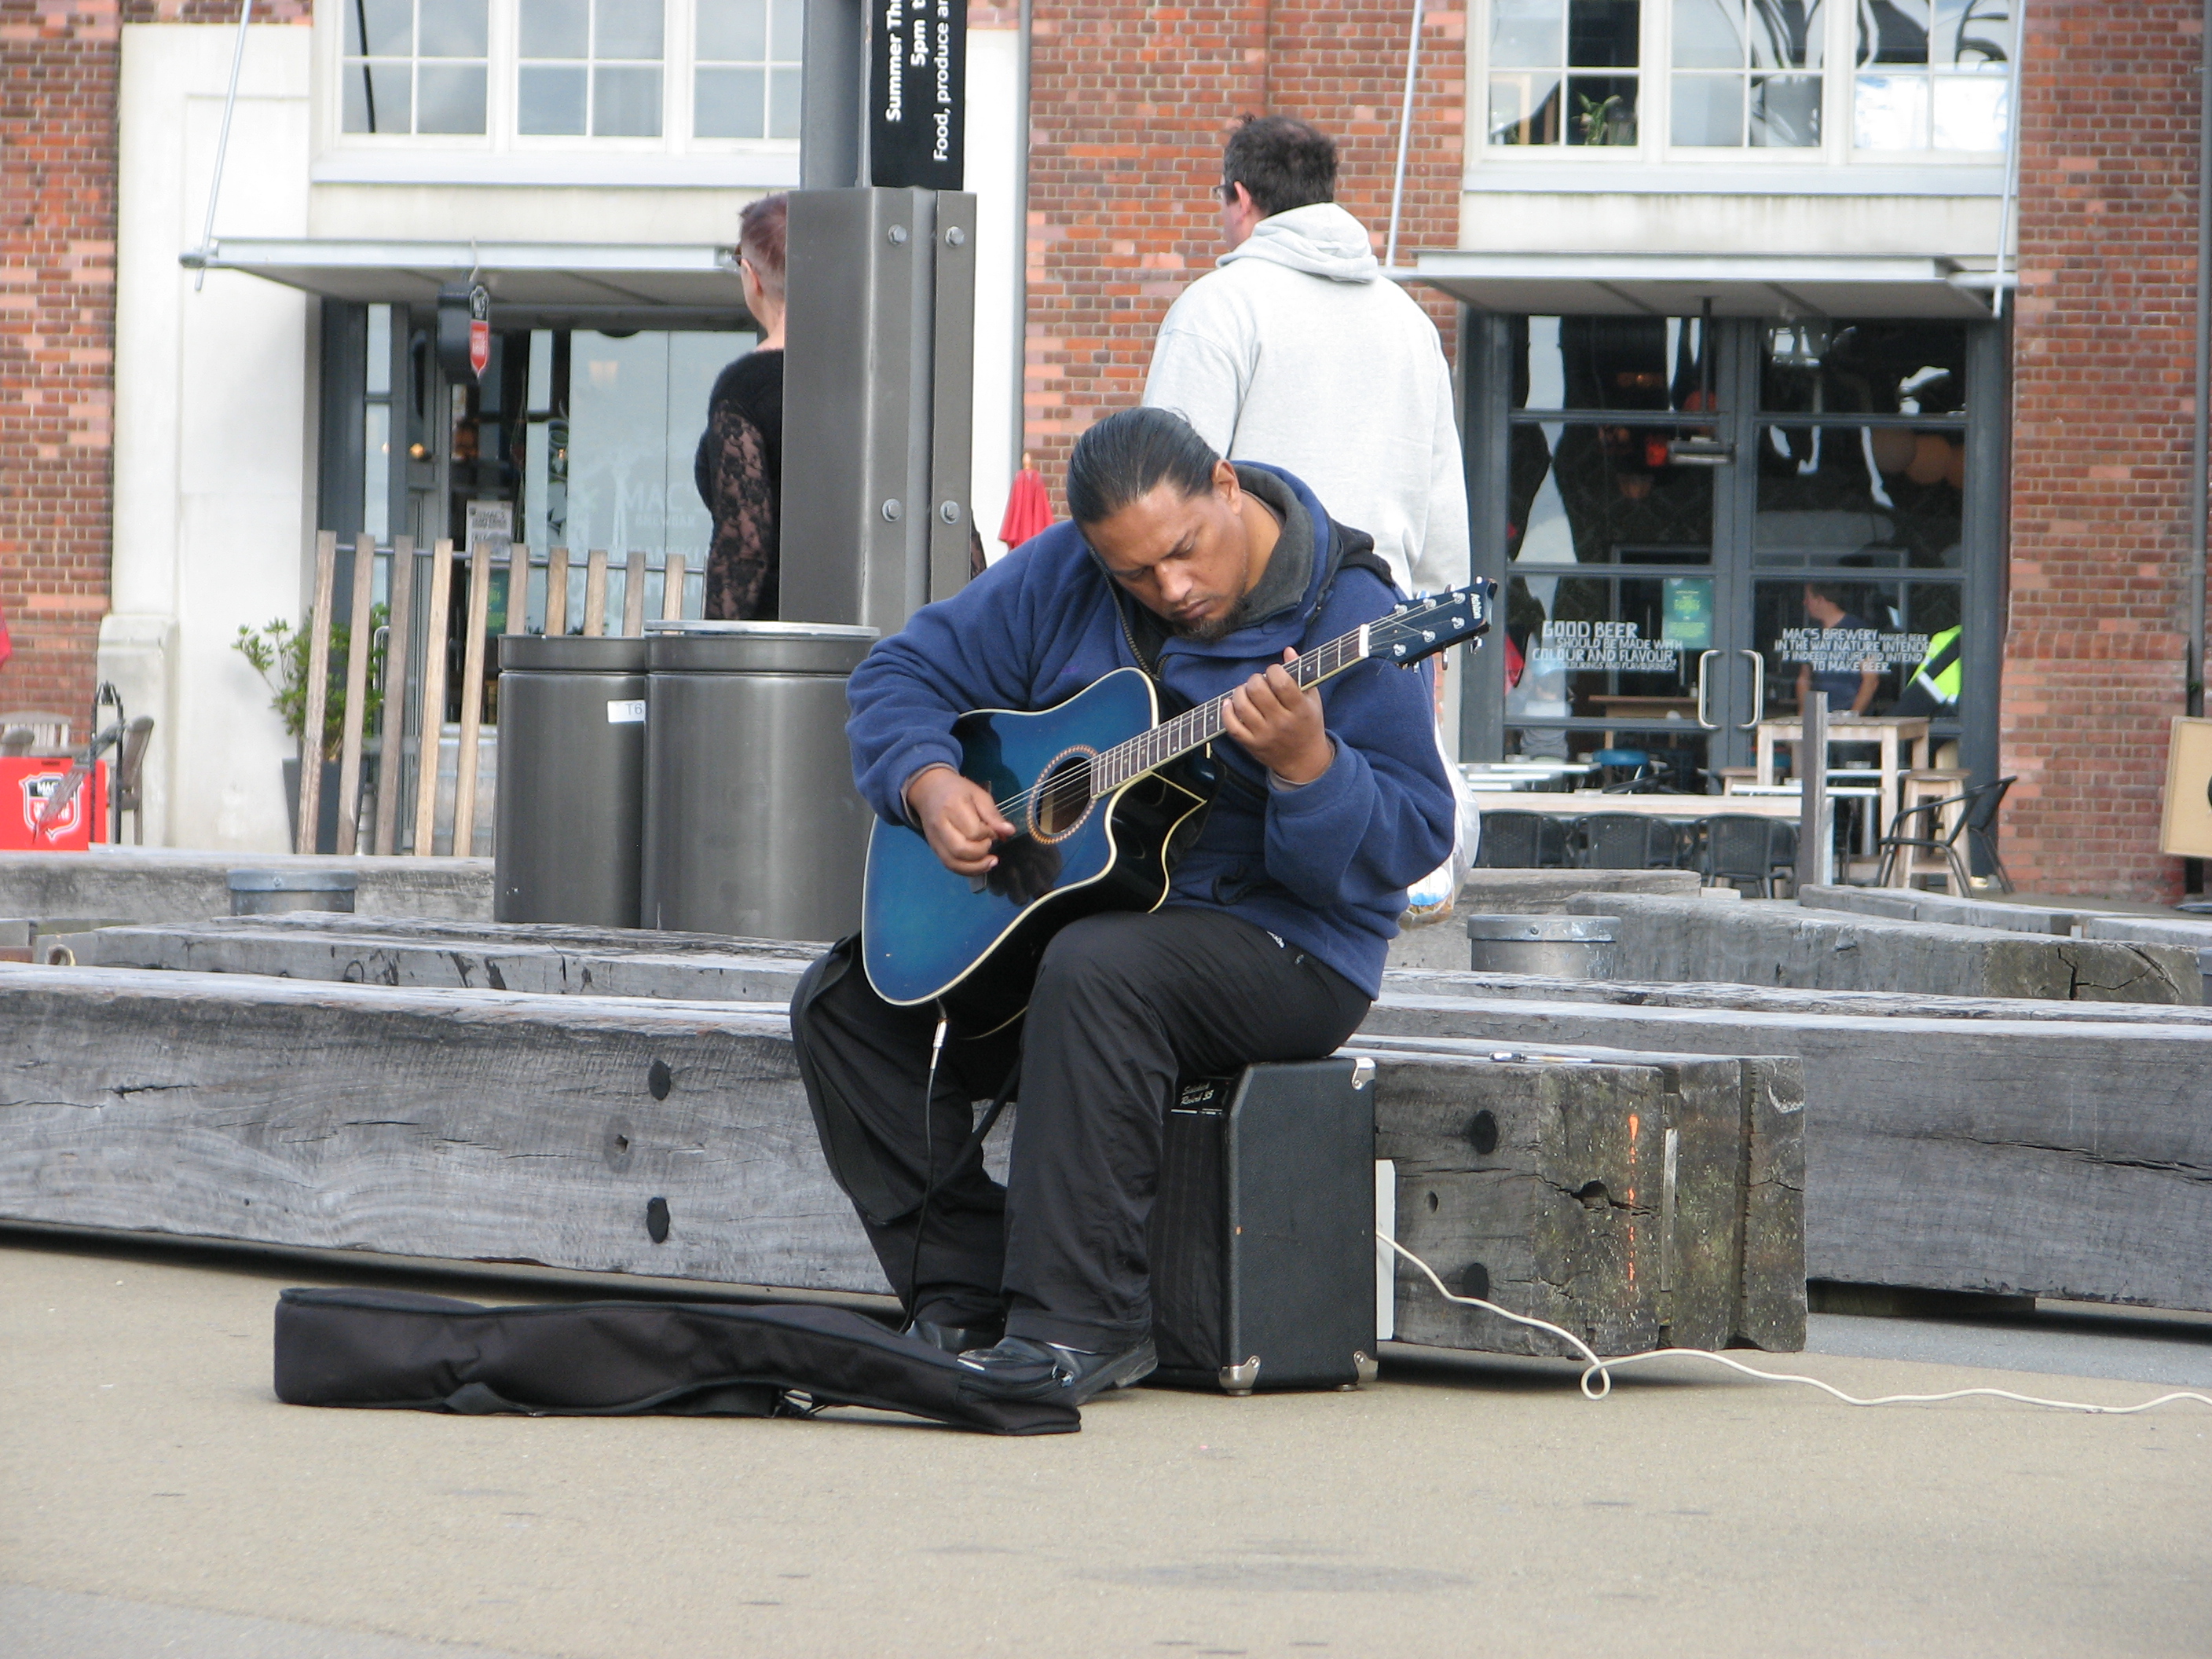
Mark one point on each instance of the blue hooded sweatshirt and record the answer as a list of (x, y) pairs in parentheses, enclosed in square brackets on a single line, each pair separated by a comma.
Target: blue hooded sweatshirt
[(1323, 866)]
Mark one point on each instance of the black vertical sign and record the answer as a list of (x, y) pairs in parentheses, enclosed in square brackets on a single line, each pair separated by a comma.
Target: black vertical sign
[(917, 86)]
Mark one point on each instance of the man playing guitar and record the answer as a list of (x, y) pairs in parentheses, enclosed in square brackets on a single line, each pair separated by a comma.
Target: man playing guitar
[(1210, 576)]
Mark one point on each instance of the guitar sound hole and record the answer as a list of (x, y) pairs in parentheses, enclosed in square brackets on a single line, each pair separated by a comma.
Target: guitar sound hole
[(1062, 797)]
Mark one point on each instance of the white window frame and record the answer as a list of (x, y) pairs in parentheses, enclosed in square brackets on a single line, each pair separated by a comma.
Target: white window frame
[(500, 154), (1655, 160)]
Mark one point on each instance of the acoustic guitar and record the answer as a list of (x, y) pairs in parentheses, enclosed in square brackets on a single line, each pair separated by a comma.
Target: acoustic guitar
[(1096, 788)]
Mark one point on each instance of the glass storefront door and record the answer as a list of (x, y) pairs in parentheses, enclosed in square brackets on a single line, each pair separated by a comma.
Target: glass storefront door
[(1695, 525)]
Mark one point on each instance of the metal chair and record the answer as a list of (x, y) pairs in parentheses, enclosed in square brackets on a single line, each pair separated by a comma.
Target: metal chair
[(130, 776), (1975, 824), (1626, 841), (1521, 840), (1740, 849), (50, 734)]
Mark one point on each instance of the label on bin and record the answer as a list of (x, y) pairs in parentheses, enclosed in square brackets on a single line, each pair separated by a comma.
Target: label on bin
[(626, 711)]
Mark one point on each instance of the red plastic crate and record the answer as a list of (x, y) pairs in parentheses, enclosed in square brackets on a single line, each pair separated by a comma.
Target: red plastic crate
[(27, 783)]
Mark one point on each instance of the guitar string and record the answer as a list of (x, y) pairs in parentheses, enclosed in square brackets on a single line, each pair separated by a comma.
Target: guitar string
[(1173, 737), (1164, 742)]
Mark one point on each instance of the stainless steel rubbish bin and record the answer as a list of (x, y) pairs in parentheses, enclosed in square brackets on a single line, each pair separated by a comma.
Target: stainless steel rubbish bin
[(1566, 947), (753, 825), (275, 892), (570, 821)]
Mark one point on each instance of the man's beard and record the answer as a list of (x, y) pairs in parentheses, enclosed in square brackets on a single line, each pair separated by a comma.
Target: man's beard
[(1206, 633)]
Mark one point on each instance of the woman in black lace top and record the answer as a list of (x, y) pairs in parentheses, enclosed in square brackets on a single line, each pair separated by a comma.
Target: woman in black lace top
[(740, 464)]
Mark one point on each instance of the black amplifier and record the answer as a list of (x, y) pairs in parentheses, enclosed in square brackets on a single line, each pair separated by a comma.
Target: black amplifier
[(1262, 1236)]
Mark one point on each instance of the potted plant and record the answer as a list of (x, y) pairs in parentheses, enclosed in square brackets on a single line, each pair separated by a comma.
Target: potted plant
[(278, 653)]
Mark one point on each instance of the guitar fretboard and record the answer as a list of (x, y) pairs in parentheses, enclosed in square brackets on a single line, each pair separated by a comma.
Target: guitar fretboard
[(1196, 727)]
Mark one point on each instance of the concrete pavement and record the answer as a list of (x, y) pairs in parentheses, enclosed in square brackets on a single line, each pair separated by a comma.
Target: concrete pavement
[(155, 1499)]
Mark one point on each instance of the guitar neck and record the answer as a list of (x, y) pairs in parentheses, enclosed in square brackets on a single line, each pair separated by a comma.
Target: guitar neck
[(1195, 728)]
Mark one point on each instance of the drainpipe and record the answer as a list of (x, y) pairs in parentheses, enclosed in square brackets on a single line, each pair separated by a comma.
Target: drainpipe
[(1406, 134), (2200, 449), (1019, 428), (196, 260)]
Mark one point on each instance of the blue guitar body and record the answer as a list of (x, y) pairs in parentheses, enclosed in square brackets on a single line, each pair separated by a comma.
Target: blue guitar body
[(1096, 790), (929, 936)]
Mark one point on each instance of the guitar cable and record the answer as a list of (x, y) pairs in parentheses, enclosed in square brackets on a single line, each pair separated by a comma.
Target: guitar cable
[(928, 1164), (1597, 1373), (931, 1180)]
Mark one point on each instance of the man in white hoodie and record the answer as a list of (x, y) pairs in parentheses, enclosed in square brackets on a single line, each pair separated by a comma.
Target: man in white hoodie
[(1298, 353)]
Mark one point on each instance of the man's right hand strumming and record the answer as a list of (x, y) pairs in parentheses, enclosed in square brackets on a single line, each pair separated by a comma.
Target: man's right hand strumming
[(958, 818)]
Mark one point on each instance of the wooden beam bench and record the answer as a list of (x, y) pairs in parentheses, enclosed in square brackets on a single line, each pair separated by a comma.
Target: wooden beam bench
[(1756, 943), (2058, 1156), (569, 1130)]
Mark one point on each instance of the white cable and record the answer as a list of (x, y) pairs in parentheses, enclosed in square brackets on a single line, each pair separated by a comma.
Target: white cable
[(1597, 1374)]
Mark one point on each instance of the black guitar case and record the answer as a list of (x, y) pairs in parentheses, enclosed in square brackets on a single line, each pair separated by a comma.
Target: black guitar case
[(397, 1349)]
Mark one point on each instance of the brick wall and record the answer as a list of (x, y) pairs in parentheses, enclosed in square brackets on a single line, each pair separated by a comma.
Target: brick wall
[(2094, 659), (1128, 107), (59, 61)]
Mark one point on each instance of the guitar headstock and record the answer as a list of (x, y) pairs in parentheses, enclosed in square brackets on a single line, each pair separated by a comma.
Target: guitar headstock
[(1423, 627)]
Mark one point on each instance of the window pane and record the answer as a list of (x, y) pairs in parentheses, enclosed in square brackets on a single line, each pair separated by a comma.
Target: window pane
[(787, 38), (730, 103), (1526, 34), (1893, 31), (1917, 369), (1786, 34), (1708, 109), (1602, 34), (1972, 34), (555, 28), (1603, 109), (1972, 112), (552, 102), (1632, 364), (1890, 111), (450, 97), (1708, 33), (376, 469), (1887, 628), (377, 365), (1605, 495), (626, 103), (628, 29), (1871, 498), (1786, 111), (377, 98), (783, 103), (390, 28), (732, 32), (1524, 108), (454, 28)]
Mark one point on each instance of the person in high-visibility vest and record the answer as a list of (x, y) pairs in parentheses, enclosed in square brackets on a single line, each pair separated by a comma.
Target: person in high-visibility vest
[(1934, 692)]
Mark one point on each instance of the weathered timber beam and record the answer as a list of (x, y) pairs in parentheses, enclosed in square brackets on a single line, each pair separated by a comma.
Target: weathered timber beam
[(2045, 1157), (1761, 944)]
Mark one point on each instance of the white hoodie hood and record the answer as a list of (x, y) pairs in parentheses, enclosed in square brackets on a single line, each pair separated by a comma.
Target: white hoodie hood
[(1319, 239), (1340, 381)]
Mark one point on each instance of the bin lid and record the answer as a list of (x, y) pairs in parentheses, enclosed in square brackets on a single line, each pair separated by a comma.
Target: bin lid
[(758, 647), (572, 652), (1543, 930)]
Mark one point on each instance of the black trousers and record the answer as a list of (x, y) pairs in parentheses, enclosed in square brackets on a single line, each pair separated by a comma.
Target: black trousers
[(1126, 1006)]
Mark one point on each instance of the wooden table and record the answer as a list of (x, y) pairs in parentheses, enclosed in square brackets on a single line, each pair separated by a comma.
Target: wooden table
[(1893, 735), (1583, 803), (1625, 706)]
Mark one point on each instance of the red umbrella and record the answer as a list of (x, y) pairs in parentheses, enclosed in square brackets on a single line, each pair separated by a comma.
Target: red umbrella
[(1029, 509)]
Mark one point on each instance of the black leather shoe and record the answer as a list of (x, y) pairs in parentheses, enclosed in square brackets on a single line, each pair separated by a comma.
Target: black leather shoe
[(953, 1339), (1020, 1368)]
